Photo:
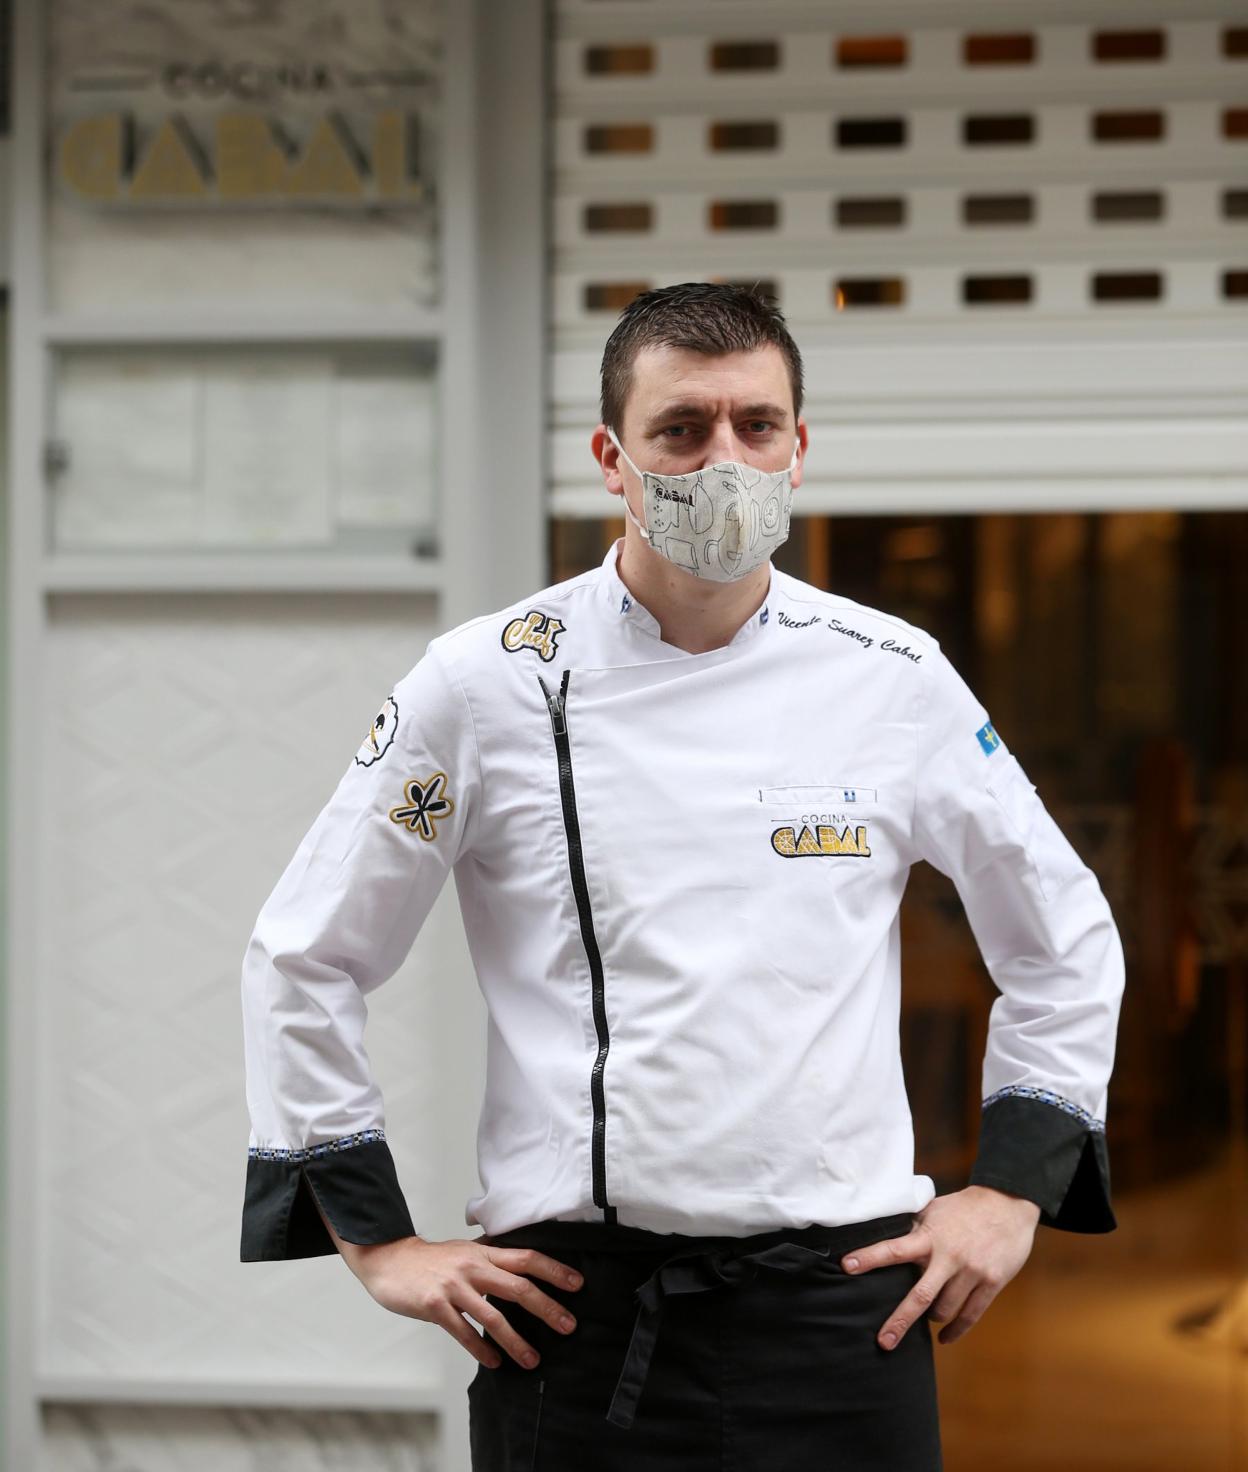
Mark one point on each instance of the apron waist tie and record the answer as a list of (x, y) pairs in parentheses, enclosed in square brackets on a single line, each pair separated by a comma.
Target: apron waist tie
[(691, 1272)]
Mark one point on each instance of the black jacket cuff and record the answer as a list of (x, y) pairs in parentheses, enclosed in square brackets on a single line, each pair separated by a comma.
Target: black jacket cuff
[(354, 1180), (1035, 1144)]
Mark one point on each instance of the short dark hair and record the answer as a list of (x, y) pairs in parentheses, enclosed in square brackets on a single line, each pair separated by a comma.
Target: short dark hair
[(702, 316)]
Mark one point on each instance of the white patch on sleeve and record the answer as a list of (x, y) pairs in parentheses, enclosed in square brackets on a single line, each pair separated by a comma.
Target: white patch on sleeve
[(380, 734)]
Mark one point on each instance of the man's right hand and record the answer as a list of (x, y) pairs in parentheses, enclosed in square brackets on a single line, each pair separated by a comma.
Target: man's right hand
[(440, 1282)]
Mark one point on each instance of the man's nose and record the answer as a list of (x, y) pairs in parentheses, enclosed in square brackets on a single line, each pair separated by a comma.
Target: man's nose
[(721, 445)]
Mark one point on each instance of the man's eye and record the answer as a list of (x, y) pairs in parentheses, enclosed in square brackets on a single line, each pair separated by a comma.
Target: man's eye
[(761, 426)]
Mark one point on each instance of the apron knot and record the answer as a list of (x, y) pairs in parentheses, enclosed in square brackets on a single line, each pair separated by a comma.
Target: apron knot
[(692, 1272)]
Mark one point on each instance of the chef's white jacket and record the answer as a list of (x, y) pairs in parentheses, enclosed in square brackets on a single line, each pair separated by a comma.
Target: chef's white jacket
[(679, 876)]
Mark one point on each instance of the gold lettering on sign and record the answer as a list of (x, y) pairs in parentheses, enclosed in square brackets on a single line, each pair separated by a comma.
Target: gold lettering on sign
[(174, 168), (331, 164), (94, 153), (391, 155), (250, 163), (251, 159)]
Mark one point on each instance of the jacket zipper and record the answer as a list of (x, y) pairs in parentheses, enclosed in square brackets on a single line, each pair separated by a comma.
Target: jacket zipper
[(557, 704)]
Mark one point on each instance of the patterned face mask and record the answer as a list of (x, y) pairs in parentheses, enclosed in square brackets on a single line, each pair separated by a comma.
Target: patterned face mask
[(720, 522)]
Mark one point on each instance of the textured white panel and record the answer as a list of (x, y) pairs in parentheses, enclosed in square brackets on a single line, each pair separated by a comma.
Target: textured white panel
[(189, 746), (951, 338)]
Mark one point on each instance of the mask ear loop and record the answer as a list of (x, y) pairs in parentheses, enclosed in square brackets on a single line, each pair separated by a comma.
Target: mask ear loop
[(627, 508), (624, 452)]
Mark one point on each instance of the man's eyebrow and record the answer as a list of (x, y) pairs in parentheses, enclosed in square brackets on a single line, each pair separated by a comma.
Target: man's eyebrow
[(764, 411), (692, 410)]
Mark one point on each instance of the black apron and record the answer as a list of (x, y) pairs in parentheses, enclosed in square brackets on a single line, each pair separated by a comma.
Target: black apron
[(729, 1354)]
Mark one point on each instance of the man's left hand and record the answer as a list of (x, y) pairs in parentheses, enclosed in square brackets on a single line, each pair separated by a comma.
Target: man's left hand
[(972, 1243)]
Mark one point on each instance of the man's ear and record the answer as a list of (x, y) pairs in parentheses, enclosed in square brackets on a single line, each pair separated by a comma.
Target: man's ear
[(608, 458)]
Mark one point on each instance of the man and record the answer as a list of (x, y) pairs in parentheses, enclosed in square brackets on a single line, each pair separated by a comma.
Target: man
[(681, 794)]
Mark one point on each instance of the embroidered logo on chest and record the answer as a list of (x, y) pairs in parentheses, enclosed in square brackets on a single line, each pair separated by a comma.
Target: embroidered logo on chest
[(821, 840), (536, 631)]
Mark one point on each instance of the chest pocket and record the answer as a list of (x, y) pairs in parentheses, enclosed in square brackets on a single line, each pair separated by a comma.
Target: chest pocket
[(819, 819)]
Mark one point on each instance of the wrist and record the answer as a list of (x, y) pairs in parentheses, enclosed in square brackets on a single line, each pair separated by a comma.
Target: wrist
[(375, 1264), (1025, 1205)]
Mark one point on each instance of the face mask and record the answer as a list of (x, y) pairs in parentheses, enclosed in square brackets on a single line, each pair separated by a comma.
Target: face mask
[(718, 523)]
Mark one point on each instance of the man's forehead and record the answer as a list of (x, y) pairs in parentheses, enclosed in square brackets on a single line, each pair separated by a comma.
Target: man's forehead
[(667, 378)]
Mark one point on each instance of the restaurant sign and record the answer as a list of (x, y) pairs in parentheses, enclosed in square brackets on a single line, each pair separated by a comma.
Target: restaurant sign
[(241, 157)]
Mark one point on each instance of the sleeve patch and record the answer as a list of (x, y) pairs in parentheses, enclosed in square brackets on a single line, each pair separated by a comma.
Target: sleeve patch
[(988, 739), (380, 734), (427, 803)]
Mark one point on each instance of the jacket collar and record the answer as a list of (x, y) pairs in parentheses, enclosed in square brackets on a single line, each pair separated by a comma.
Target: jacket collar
[(626, 611)]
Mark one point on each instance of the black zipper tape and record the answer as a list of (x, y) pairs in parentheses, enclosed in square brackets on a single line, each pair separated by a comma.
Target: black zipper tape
[(557, 705)]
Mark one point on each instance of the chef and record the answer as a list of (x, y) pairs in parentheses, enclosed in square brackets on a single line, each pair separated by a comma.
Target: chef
[(680, 795)]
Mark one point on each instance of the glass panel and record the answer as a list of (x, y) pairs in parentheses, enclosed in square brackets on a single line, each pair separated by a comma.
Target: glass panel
[(577, 544), (1107, 648)]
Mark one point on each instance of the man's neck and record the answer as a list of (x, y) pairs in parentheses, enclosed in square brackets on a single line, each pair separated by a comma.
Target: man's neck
[(694, 614)]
